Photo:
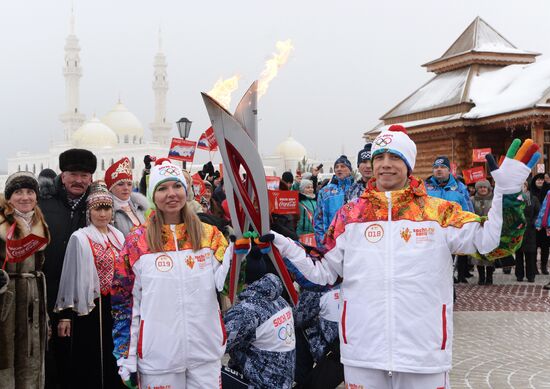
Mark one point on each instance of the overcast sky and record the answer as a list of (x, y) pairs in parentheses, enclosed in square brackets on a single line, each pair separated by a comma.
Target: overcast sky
[(352, 62)]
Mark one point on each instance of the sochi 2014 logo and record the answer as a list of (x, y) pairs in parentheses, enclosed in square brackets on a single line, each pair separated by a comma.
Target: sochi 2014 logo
[(406, 234)]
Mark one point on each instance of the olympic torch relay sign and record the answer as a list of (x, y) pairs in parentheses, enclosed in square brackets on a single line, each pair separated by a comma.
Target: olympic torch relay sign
[(283, 202), (474, 174), (182, 149), (478, 155)]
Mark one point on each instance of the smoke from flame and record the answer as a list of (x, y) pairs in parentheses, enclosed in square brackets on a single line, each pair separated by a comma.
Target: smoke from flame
[(222, 90), (272, 66)]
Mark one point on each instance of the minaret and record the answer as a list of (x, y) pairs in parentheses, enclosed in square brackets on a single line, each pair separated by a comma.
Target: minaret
[(72, 119), (160, 127)]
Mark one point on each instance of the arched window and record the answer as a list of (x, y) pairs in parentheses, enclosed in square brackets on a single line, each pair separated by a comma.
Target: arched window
[(26, 167), (33, 168), (41, 166), (133, 163), (112, 161), (135, 139), (126, 139), (18, 168), (102, 164)]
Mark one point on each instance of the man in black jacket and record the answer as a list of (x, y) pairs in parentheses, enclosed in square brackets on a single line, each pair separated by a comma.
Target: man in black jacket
[(65, 212)]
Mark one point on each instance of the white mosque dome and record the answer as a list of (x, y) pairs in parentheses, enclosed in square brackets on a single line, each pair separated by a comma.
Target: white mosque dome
[(94, 134), (124, 123), (291, 149)]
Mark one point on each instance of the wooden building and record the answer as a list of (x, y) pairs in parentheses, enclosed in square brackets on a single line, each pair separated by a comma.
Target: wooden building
[(485, 93)]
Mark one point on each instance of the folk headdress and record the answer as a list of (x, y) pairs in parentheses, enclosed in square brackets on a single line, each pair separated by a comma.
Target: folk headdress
[(121, 170)]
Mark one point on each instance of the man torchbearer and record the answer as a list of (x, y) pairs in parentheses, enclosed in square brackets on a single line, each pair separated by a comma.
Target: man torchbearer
[(393, 249)]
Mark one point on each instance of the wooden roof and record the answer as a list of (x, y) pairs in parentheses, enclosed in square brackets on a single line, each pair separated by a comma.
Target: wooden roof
[(482, 44)]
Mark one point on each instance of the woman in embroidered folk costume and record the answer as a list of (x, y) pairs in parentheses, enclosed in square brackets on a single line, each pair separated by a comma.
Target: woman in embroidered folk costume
[(23, 319), (167, 323), (84, 294), (128, 207)]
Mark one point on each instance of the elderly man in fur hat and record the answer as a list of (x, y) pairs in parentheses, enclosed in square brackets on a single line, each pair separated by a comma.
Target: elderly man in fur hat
[(65, 212)]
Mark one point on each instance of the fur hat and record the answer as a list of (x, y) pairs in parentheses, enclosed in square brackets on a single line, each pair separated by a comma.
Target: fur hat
[(396, 141), (20, 180), (48, 173), (99, 196), (77, 160), (121, 170), (442, 161), (343, 159), (364, 154), (164, 170)]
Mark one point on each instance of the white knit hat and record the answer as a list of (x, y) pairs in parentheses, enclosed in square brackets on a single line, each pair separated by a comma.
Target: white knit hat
[(164, 170), (396, 141)]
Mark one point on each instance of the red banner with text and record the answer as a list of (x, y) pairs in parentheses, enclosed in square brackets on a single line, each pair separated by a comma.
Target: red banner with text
[(474, 174), (283, 202), (478, 155)]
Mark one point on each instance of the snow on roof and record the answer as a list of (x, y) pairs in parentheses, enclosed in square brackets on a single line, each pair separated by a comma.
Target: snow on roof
[(508, 89), (479, 36), (443, 90), (415, 123)]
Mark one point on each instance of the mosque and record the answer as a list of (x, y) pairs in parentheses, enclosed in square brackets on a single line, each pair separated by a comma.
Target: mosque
[(120, 133)]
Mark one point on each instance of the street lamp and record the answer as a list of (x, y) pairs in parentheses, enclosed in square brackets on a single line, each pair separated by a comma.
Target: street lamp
[(184, 128)]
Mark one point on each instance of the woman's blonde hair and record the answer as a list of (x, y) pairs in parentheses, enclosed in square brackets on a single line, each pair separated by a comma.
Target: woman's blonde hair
[(192, 222)]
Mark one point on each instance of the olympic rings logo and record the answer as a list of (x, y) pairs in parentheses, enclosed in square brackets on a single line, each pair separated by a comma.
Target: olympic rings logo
[(383, 141), (169, 171), (286, 334)]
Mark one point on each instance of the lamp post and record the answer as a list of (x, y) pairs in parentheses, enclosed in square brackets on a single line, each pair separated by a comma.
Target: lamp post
[(184, 128)]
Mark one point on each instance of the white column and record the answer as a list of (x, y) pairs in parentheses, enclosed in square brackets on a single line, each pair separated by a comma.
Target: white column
[(160, 127)]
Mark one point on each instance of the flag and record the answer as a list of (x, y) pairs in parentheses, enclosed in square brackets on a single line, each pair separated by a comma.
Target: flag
[(182, 150), (203, 143), (211, 139)]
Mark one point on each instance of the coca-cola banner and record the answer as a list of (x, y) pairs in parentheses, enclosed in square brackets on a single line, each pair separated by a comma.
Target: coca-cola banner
[(478, 155), (474, 174), (283, 202)]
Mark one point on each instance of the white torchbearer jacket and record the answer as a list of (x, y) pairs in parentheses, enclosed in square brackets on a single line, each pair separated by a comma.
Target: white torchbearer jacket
[(394, 253), (165, 311)]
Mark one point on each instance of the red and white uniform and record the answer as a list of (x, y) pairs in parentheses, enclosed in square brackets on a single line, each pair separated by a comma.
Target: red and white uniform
[(166, 315)]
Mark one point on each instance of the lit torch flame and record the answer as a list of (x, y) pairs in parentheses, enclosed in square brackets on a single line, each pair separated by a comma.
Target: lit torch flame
[(222, 90), (272, 65)]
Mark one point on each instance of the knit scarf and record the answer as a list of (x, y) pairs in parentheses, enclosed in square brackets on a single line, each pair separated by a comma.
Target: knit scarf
[(25, 217)]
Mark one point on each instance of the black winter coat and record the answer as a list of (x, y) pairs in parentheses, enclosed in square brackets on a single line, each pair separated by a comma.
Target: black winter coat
[(532, 207), (61, 224)]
